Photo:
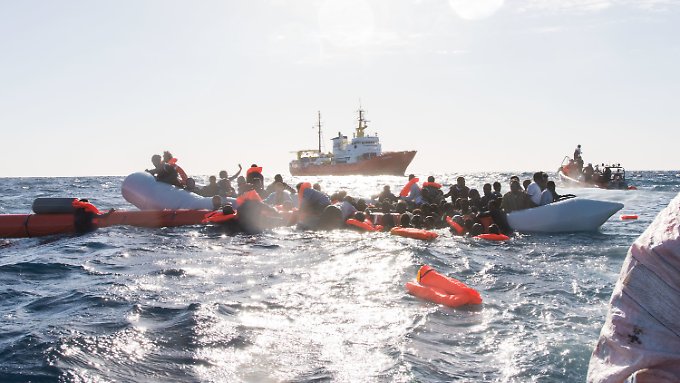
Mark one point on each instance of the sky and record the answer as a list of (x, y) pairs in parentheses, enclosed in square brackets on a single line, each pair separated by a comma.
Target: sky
[(96, 87)]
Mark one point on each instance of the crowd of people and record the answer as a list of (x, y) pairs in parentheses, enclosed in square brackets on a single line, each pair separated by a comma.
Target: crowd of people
[(464, 210)]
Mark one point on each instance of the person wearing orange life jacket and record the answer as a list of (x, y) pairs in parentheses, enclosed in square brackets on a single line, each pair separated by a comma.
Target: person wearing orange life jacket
[(172, 161), (411, 192), (311, 202), (253, 172)]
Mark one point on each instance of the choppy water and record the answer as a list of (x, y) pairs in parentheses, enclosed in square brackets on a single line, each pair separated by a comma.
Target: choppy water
[(186, 304)]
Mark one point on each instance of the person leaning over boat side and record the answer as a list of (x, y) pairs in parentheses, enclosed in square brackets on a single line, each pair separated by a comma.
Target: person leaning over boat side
[(414, 196), (280, 196), (272, 186), (224, 184), (549, 195), (163, 172), (515, 199), (312, 202)]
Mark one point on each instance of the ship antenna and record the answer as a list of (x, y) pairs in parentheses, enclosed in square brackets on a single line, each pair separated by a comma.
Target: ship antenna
[(319, 127), (362, 122)]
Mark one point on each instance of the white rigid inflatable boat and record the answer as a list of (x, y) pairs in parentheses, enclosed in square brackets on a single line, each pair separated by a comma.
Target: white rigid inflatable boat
[(142, 190), (570, 215)]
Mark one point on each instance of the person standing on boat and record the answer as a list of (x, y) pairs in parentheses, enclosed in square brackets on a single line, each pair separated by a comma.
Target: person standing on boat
[(577, 157)]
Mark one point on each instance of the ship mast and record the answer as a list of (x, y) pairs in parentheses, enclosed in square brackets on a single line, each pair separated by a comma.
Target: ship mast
[(362, 123), (319, 128)]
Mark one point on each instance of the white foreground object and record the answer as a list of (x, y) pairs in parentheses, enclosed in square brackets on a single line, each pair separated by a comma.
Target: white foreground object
[(640, 339), (570, 215), (142, 190)]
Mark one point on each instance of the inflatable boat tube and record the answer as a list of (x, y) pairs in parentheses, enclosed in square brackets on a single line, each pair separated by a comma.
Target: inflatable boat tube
[(437, 288), (142, 190), (640, 338), (410, 232), (35, 225), (570, 215)]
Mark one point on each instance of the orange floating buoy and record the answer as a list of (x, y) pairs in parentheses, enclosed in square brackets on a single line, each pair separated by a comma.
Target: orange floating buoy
[(410, 232), (437, 288), (493, 237), (629, 216)]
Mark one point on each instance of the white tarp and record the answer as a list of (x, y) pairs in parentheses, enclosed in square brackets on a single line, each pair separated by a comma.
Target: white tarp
[(640, 340)]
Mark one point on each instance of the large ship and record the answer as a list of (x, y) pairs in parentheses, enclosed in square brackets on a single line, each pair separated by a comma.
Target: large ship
[(361, 156)]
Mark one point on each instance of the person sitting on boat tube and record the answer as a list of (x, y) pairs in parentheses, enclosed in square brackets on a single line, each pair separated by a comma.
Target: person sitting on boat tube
[(515, 199), (278, 179), (550, 195), (224, 184), (414, 196), (280, 196), (535, 188), (163, 172), (172, 161)]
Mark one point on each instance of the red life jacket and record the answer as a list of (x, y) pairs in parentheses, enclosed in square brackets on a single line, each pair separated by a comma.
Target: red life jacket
[(407, 188)]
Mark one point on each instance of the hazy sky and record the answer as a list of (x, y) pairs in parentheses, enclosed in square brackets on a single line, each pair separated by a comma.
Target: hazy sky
[(95, 87)]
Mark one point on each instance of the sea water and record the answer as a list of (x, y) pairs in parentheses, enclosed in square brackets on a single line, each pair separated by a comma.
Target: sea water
[(189, 304)]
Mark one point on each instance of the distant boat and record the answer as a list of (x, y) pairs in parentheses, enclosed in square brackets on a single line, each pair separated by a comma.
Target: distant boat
[(362, 156), (614, 178)]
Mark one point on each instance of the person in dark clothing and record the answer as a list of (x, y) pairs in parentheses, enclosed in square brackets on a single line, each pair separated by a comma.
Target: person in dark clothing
[(210, 189), (164, 172), (272, 187), (386, 195), (224, 187)]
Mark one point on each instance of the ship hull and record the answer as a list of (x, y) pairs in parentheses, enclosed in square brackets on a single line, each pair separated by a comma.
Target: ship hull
[(390, 163)]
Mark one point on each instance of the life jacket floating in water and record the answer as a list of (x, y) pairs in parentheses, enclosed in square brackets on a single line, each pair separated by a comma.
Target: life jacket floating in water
[(410, 232), (629, 216), (437, 288), (218, 217), (365, 225), (455, 226), (493, 237)]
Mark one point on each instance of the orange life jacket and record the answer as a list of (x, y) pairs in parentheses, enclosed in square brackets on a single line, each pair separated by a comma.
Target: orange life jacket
[(250, 195), (182, 174), (365, 225), (410, 232), (455, 225), (493, 237), (218, 217), (407, 188), (432, 184), (88, 207), (254, 169)]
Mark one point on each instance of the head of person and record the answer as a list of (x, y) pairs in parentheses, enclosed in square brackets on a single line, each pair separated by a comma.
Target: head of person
[(544, 179), (404, 220), (212, 179), (459, 220), (167, 156), (359, 216), (494, 229), (156, 160), (486, 188), (428, 222), (474, 194), (361, 204), (241, 180), (411, 176), (278, 178), (515, 187), (430, 179), (550, 186), (227, 209), (514, 178), (191, 183), (476, 229), (386, 188), (401, 207), (316, 187), (497, 187), (460, 181), (223, 174), (538, 177), (526, 184), (417, 221)]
